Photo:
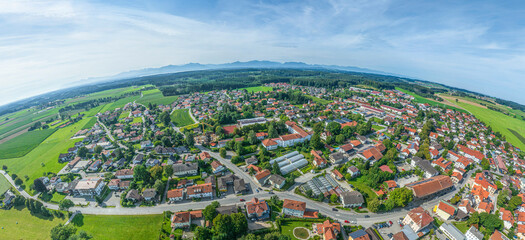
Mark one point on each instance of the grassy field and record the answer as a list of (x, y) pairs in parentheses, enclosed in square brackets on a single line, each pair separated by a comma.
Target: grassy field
[(24, 120), (120, 227), (4, 184), (181, 118), (500, 122), (104, 94), (319, 100), (421, 99), (28, 227), (462, 226), (90, 123), (21, 145), (44, 158), (258, 89), (155, 96), (362, 187), (287, 227), (137, 120)]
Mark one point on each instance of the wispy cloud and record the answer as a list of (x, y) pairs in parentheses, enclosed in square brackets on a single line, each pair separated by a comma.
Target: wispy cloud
[(46, 44)]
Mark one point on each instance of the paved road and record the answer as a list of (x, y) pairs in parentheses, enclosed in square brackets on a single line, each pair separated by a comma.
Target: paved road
[(108, 133), (236, 170), (25, 194)]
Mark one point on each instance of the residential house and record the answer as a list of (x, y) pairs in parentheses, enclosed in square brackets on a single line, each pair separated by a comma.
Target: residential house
[(329, 230), (445, 210), (217, 167), (89, 187), (175, 195), (430, 187), (149, 194), (418, 219), (337, 157), (134, 196), (257, 209), (293, 208), (124, 174), (451, 232), (352, 199), (353, 171), (204, 190), (359, 235), (261, 177), (185, 169), (474, 234), (276, 181)]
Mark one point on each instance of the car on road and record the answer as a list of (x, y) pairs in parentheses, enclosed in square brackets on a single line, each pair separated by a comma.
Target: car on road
[(242, 200), (334, 209), (270, 192), (367, 216), (346, 221), (257, 190)]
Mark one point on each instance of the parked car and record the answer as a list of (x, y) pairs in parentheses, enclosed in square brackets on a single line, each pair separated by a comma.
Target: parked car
[(367, 216), (242, 200), (270, 192), (346, 221), (334, 209)]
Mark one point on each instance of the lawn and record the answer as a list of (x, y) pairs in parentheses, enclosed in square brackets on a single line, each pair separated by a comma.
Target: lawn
[(90, 123), (28, 227), (120, 227), (319, 100), (137, 120), (288, 226), (301, 233), (377, 127), (500, 123), (258, 89), (362, 187), (155, 96), (462, 226), (44, 158), (4, 184), (21, 145), (181, 117)]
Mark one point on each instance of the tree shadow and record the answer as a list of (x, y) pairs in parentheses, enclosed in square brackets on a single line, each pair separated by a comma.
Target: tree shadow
[(78, 221)]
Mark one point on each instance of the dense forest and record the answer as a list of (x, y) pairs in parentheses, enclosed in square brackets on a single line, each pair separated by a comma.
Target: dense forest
[(206, 80)]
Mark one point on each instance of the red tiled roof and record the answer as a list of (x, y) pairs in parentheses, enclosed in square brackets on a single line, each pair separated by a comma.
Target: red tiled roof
[(295, 205), (446, 208)]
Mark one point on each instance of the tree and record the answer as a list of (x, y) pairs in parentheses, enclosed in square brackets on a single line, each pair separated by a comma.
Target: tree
[(485, 164), (82, 235), (333, 128), (82, 152), (389, 204), (219, 130), (65, 204), (4, 167), (156, 172), (319, 127), (222, 224), (252, 137), (98, 149), (165, 118), (514, 202), (18, 181), (333, 198), (62, 232), (373, 205), (339, 138), (210, 211), (222, 152), (168, 170), (240, 224), (189, 139), (39, 185), (141, 174), (401, 196), (203, 233), (276, 169), (159, 186), (239, 149), (315, 142), (272, 132)]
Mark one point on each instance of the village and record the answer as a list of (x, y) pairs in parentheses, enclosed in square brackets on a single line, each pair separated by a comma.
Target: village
[(353, 163)]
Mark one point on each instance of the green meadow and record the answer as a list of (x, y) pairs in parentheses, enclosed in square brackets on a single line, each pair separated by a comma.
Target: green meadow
[(181, 118), (154, 96), (44, 158), (120, 227), (20, 224)]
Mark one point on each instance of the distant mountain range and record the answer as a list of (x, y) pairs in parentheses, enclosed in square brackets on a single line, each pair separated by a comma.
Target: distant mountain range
[(233, 65)]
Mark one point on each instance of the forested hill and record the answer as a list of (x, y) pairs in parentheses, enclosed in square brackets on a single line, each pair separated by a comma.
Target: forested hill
[(206, 80)]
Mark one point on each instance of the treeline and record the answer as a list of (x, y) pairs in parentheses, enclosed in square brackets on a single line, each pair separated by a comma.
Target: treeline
[(95, 102)]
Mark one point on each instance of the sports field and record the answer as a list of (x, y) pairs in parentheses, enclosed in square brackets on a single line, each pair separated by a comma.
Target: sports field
[(21, 145), (500, 122), (120, 227), (20, 224), (181, 117), (154, 96), (44, 158)]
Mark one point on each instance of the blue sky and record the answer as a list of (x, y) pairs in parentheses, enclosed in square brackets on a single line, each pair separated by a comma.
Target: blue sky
[(476, 45)]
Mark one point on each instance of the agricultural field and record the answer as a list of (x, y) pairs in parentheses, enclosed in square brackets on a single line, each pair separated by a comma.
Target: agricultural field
[(21, 145), (4, 184), (181, 118), (90, 123), (258, 89), (319, 100), (512, 128), (104, 94), (24, 120), (120, 227), (44, 158), (154, 96), (20, 224), (421, 99)]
